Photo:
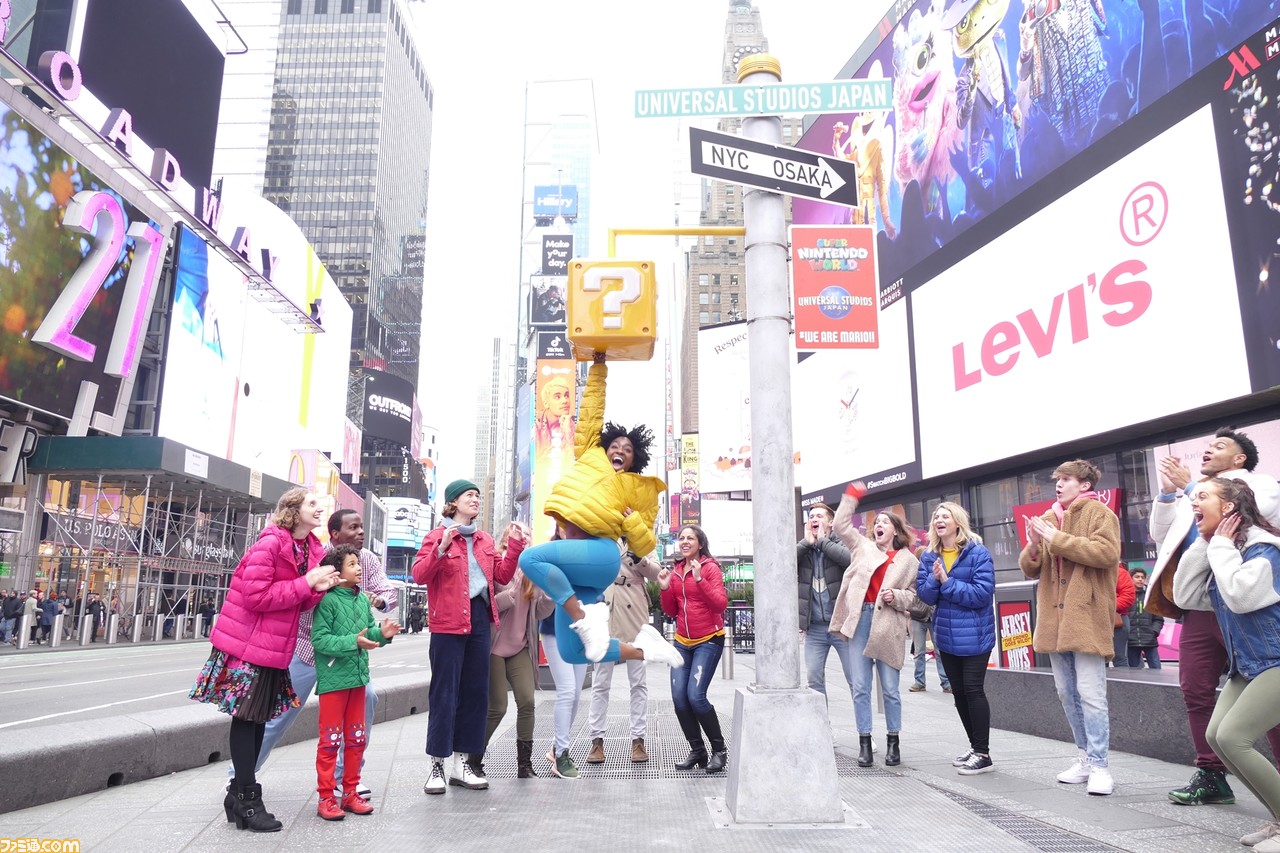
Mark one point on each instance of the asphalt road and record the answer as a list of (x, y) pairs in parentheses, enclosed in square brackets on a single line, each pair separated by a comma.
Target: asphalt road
[(44, 687)]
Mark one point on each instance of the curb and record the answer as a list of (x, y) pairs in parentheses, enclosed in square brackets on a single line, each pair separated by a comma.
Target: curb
[(71, 759)]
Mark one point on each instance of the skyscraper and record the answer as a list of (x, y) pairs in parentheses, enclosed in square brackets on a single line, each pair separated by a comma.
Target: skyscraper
[(717, 291), (350, 144)]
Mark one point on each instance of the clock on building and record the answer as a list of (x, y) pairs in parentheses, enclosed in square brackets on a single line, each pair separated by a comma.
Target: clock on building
[(743, 51)]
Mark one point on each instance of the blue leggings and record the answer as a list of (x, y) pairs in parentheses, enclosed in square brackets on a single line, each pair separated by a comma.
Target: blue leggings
[(568, 567)]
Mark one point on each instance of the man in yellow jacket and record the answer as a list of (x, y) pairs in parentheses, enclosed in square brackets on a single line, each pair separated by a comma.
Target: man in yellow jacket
[(597, 501)]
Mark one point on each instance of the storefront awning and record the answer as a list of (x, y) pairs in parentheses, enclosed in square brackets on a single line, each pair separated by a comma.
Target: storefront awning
[(133, 457)]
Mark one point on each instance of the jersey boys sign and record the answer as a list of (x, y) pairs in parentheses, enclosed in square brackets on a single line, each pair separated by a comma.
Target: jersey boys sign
[(833, 270)]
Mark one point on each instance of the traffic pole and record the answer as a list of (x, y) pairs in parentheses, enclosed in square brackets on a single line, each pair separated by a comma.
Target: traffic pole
[(781, 732)]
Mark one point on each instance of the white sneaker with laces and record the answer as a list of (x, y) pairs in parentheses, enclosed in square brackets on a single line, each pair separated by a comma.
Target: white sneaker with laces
[(1077, 773), (1100, 782), (1268, 845), (435, 782), (656, 649), (1255, 838), (593, 630)]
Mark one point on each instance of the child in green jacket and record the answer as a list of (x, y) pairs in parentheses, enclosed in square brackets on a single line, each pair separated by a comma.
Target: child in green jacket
[(342, 632)]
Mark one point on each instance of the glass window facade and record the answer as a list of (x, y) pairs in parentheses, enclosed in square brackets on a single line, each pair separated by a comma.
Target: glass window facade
[(348, 153)]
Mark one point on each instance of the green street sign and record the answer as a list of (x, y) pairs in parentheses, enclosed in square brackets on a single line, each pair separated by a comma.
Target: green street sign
[(837, 96)]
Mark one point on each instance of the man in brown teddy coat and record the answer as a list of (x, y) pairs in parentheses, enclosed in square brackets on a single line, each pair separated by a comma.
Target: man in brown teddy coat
[(1074, 550)]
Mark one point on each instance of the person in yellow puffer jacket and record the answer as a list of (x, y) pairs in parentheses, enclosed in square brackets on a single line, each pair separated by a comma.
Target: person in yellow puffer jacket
[(602, 498)]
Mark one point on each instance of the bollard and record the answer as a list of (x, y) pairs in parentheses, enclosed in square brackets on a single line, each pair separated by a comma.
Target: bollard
[(86, 629), (55, 638), (179, 627), (157, 629), (198, 631), (113, 625), (24, 631), (136, 635), (726, 660)]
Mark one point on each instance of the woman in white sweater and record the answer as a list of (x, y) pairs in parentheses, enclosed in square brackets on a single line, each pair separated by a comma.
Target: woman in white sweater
[(877, 591), (1234, 570)]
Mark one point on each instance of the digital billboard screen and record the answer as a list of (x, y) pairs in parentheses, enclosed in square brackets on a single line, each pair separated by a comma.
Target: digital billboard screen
[(70, 257), (388, 407)]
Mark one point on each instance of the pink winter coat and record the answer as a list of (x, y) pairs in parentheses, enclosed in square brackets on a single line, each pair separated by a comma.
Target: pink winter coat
[(259, 620)]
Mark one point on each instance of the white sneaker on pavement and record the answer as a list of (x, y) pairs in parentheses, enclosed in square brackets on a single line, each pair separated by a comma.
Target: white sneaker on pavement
[(656, 649), (1077, 773), (958, 761), (593, 630), (1255, 838), (1269, 845), (435, 782), (1100, 782)]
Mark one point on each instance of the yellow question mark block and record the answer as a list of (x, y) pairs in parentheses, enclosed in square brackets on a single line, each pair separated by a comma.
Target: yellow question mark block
[(612, 308)]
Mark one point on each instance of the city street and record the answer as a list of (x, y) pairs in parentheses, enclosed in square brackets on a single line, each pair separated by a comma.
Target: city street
[(45, 686)]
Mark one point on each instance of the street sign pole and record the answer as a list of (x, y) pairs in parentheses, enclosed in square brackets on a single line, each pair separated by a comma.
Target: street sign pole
[(781, 732)]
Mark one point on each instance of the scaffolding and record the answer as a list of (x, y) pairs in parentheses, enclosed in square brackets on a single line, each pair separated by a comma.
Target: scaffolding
[(156, 552)]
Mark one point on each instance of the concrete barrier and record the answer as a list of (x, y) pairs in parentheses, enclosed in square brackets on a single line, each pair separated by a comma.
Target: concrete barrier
[(1148, 715), (70, 759)]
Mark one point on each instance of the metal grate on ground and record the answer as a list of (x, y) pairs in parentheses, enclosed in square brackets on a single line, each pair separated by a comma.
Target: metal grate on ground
[(664, 742), (1037, 834)]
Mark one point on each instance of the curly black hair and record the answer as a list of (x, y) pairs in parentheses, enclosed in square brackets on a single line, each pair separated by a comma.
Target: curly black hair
[(641, 438)]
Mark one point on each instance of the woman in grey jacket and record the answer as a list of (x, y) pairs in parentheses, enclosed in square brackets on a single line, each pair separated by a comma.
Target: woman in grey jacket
[(513, 659), (876, 596)]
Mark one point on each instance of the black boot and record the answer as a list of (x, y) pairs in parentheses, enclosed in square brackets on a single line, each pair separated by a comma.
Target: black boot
[(864, 751), (892, 757), (524, 760), (710, 724), (249, 812), (697, 756), (229, 802)]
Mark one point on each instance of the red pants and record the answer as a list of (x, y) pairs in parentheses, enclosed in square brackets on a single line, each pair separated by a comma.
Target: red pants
[(1202, 659), (342, 726)]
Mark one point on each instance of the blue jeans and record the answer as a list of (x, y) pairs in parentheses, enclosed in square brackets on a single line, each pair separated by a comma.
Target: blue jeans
[(568, 678), (1152, 655), (863, 667), (567, 567), (689, 683), (919, 632), (303, 677), (6, 630), (1081, 680), (818, 643), (458, 697)]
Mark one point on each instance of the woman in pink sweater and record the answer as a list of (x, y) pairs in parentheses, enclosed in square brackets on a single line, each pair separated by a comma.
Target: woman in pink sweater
[(247, 674)]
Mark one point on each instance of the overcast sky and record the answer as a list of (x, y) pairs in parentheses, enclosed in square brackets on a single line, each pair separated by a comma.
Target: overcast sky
[(479, 59)]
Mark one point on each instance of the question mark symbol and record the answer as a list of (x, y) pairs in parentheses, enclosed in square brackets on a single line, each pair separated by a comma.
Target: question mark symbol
[(594, 280)]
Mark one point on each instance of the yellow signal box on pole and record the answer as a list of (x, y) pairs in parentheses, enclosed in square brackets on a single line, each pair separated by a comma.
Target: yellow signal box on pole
[(612, 308)]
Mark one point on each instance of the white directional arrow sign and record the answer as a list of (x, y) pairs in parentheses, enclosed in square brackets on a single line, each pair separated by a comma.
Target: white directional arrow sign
[(791, 171)]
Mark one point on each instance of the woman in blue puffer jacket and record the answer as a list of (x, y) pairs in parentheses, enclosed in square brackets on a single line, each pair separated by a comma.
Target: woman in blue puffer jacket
[(958, 577)]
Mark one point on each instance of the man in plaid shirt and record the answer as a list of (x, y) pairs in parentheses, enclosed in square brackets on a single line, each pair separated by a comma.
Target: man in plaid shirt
[(346, 527)]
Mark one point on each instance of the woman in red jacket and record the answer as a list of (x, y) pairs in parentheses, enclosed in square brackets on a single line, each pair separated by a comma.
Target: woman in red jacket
[(693, 592), (459, 564), (247, 675)]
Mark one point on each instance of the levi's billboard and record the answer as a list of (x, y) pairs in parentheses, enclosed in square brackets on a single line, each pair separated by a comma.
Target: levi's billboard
[(1065, 335)]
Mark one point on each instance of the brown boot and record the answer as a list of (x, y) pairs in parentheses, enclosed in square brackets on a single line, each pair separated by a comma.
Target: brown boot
[(639, 755), (596, 755)]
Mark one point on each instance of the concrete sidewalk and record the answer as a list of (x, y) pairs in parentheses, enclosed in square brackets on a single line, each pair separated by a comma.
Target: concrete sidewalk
[(921, 805)]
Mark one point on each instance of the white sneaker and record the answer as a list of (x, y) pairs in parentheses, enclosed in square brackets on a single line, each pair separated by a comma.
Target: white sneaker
[(1100, 782), (1268, 845), (958, 761), (656, 649), (435, 782), (1254, 838), (593, 630), (1077, 773)]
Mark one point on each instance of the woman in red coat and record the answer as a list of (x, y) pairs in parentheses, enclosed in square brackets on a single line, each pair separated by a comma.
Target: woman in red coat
[(459, 565), (693, 592), (247, 675)]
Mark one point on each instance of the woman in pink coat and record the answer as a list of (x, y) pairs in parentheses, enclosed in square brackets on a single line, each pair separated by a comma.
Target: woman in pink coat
[(247, 674)]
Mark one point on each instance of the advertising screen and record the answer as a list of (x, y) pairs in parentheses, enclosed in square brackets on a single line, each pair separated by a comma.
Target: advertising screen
[(388, 407), (76, 278), (1149, 256), (552, 201), (160, 64), (724, 409), (991, 98)]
